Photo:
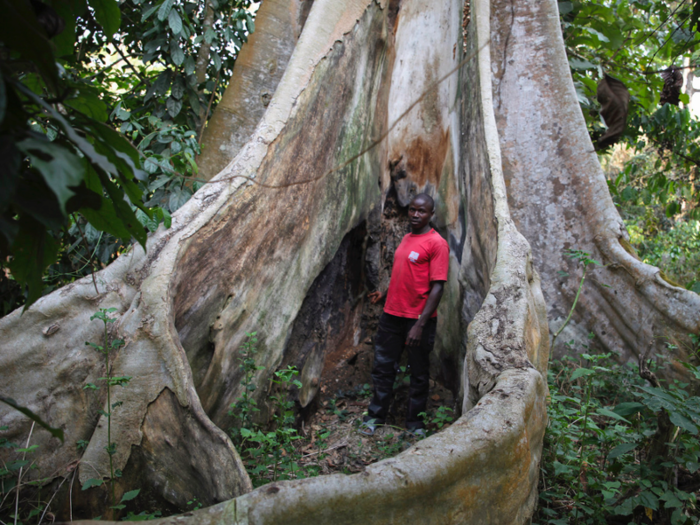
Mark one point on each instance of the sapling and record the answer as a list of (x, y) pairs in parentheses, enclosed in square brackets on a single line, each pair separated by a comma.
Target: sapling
[(109, 381)]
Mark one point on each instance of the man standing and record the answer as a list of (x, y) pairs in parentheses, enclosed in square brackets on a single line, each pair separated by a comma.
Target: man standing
[(410, 317)]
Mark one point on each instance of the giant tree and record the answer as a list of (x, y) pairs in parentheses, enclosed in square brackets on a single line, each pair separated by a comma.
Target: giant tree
[(379, 99)]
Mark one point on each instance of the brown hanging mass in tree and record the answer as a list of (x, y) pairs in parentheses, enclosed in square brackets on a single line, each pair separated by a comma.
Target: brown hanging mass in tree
[(673, 80), (614, 99)]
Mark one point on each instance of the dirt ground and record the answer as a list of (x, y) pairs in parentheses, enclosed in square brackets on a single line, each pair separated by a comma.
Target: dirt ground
[(330, 441)]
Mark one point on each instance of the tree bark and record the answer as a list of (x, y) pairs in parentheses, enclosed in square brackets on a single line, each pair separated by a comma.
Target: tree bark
[(374, 105), (560, 201), (259, 67)]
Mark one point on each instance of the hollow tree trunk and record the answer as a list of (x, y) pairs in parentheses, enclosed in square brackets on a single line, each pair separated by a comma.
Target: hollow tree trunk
[(243, 257)]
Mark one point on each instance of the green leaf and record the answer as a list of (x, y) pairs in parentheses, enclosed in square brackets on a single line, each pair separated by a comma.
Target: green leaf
[(92, 482), (108, 15), (106, 219), (629, 194), (610, 413), (60, 168), (89, 103), (189, 65), (614, 35), (65, 40), (683, 422), (130, 495), (177, 54), (84, 146), (55, 432), (619, 450), (579, 64), (581, 372), (178, 198), (671, 500), (34, 250), (164, 10), (600, 36), (148, 12), (648, 499), (565, 8), (174, 106), (627, 409), (672, 209), (692, 466), (175, 22)]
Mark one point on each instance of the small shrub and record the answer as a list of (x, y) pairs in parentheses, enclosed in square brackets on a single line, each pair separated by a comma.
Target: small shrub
[(601, 461)]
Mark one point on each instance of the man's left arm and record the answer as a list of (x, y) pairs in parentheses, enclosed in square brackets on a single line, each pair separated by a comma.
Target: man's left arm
[(416, 332)]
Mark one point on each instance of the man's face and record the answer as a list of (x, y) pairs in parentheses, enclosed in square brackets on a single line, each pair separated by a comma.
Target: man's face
[(419, 213)]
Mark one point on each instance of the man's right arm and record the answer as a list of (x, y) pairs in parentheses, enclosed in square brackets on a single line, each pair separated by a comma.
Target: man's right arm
[(377, 296)]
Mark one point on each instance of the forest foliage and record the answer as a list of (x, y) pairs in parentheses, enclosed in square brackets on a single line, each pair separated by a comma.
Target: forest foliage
[(102, 105)]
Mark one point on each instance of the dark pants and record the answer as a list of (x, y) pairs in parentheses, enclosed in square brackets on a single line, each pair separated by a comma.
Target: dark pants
[(388, 346)]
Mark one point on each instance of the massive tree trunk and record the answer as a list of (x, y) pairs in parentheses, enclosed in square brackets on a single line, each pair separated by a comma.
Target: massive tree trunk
[(258, 70), (560, 201), (290, 250)]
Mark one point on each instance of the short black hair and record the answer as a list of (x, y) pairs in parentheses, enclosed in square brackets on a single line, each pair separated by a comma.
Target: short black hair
[(427, 198)]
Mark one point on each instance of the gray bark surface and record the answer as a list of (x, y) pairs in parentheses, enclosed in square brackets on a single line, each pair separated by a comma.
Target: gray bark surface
[(560, 201)]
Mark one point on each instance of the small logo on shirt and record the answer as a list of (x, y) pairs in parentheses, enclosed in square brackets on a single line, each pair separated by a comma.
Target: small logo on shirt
[(413, 256)]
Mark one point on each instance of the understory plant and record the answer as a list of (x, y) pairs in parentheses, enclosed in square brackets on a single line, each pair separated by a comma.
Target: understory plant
[(109, 381), (268, 453), (621, 446)]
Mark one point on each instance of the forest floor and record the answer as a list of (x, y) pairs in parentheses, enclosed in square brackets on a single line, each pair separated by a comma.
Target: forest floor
[(331, 443), (325, 437)]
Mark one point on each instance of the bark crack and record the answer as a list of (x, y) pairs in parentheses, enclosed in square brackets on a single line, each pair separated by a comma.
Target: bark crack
[(504, 60)]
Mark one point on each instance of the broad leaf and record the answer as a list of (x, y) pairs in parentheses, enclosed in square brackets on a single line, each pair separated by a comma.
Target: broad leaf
[(581, 372), (164, 10), (610, 413), (60, 168), (108, 15), (89, 103), (20, 31), (627, 409), (621, 449), (175, 22), (130, 495), (33, 251), (92, 482)]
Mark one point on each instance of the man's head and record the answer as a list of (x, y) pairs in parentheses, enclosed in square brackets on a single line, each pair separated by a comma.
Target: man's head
[(420, 211)]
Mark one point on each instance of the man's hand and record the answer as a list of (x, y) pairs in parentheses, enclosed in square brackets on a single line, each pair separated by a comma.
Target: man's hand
[(414, 335), (375, 297)]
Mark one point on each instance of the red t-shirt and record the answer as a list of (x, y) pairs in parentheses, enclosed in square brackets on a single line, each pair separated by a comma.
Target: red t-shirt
[(419, 260)]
